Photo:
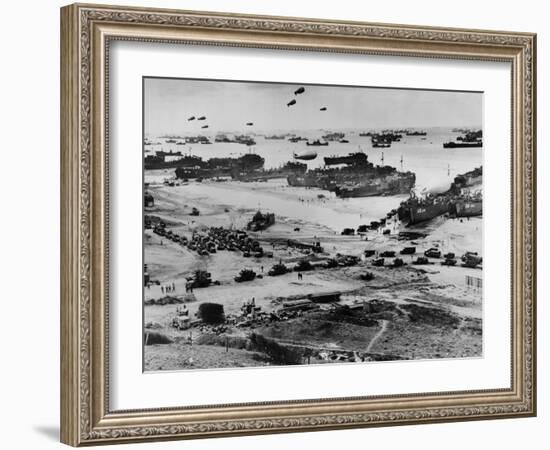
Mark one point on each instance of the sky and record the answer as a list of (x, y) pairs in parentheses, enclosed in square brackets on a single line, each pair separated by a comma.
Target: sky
[(229, 105)]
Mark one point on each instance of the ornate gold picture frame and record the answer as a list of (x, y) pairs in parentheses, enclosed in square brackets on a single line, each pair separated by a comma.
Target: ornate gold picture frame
[(86, 34)]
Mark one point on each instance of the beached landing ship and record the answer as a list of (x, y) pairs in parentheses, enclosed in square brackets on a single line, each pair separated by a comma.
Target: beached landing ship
[(357, 178), (261, 221), (195, 167), (290, 168), (358, 158), (457, 201), (467, 208), (398, 183), (417, 210), (468, 179)]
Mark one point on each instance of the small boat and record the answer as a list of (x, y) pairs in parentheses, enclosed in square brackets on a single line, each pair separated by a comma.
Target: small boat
[(306, 155), (317, 143)]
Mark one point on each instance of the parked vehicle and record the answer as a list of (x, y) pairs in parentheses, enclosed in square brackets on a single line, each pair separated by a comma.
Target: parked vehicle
[(408, 251), (421, 260), (398, 262), (245, 275), (449, 262), (367, 276), (433, 253)]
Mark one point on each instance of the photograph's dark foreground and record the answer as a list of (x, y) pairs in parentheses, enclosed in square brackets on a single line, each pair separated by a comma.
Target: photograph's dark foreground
[(307, 224)]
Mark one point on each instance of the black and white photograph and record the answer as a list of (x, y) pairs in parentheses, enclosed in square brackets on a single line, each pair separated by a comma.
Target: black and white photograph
[(293, 224)]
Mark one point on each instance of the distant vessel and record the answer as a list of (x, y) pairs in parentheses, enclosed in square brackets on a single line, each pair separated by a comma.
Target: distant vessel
[(306, 155), (333, 136), (170, 153), (317, 143), (297, 139), (462, 144), (245, 139), (222, 138), (468, 140), (416, 133), (197, 140)]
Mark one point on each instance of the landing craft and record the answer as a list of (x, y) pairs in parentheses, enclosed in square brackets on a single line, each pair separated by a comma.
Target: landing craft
[(306, 155), (299, 91), (291, 102), (249, 124), (324, 108), (191, 118), (204, 126), (202, 118)]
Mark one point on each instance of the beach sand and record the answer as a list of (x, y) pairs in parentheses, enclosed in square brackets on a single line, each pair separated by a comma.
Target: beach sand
[(444, 321)]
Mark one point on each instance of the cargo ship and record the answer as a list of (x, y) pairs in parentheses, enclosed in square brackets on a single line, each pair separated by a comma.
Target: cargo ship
[(470, 139)]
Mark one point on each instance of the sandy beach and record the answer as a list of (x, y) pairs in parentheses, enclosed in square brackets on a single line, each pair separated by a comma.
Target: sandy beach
[(416, 312)]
